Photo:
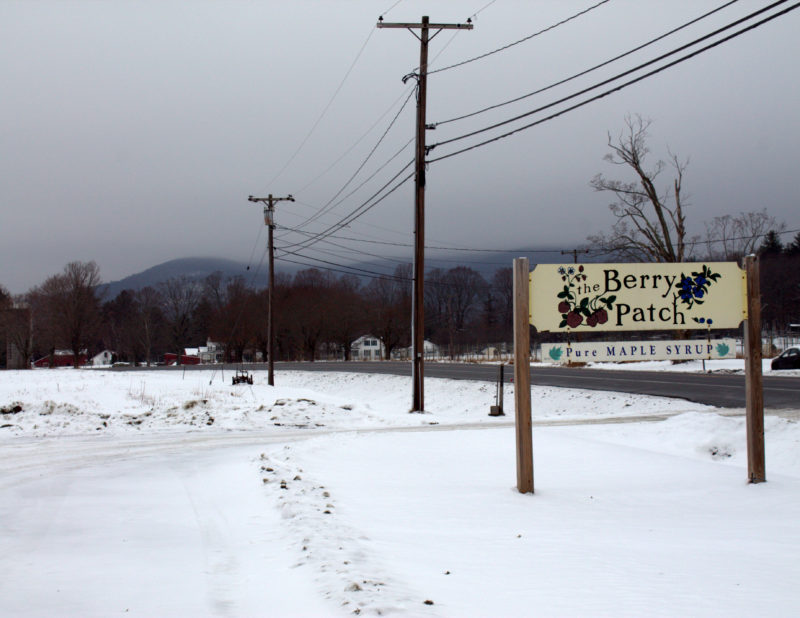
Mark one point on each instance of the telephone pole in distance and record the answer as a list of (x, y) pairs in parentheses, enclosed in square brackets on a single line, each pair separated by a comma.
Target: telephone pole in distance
[(269, 221), (417, 296), (575, 253)]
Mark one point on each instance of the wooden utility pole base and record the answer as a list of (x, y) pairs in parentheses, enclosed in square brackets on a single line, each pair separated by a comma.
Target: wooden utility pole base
[(522, 376)]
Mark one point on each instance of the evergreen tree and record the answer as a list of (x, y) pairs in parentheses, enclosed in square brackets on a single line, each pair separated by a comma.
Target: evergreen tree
[(793, 248), (772, 245)]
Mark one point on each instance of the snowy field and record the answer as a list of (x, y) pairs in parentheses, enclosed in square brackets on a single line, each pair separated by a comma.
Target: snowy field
[(164, 494)]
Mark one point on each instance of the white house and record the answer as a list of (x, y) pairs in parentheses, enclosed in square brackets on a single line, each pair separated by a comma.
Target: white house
[(212, 352), (367, 347)]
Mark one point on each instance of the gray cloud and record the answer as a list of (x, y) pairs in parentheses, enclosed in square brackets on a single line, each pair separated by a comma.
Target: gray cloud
[(133, 132)]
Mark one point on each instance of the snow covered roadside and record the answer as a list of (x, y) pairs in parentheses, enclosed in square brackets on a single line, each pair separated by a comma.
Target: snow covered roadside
[(280, 507), (46, 403)]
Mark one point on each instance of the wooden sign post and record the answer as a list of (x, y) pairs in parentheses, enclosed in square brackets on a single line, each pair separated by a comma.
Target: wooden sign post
[(522, 376), (754, 389)]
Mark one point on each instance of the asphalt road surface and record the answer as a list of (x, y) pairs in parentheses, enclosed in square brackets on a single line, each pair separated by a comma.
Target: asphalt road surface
[(717, 389)]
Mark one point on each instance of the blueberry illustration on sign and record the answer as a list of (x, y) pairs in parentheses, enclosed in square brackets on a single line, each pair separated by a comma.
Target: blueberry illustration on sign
[(693, 290), (574, 309)]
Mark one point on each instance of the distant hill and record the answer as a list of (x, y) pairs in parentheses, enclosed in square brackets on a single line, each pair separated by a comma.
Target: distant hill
[(201, 267), (194, 268)]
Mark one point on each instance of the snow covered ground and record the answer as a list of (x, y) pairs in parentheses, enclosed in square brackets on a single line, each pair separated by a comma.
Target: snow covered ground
[(164, 494)]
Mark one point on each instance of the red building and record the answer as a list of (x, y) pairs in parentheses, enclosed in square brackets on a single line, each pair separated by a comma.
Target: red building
[(186, 359), (61, 358)]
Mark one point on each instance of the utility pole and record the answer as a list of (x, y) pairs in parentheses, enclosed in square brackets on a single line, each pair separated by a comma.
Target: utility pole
[(418, 290), (575, 253), (269, 221)]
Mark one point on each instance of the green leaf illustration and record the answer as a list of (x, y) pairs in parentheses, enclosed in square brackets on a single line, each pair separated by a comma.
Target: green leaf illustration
[(723, 349), (555, 353)]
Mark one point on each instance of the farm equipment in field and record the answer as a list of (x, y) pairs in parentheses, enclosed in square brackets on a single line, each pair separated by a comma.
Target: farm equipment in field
[(242, 377)]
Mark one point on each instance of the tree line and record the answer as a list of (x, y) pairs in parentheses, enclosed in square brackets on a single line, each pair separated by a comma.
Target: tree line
[(317, 314)]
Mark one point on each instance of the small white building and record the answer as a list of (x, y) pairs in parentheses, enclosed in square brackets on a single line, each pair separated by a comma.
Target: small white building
[(105, 357), (367, 347), (429, 350)]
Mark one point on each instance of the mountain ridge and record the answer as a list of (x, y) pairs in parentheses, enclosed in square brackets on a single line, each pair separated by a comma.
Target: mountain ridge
[(198, 268)]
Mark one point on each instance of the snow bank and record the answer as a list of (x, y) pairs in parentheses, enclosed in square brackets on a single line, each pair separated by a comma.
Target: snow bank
[(68, 402)]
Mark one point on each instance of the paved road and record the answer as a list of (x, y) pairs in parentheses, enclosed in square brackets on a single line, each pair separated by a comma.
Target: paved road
[(717, 389)]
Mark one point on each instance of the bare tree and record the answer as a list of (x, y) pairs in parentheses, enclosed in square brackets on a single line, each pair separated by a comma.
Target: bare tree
[(389, 302), (15, 321), (346, 312), (235, 321), (5, 305), (436, 316), (307, 309), (503, 285), (149, 319), (67, 309), (119, 326), (650, 224), (82, 307), (180, 296), (464, 287), (730, 237)]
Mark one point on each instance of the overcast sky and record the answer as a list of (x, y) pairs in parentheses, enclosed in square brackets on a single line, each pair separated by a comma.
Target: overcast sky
[(132, 133)]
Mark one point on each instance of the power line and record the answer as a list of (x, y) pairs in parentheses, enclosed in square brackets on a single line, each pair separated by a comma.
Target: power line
[(328, 105), (515, 250), (596, 252), (375, 275), (324, 110), (356, 143), (391, 7), (325, 208), (288, 229), (320, 260), (253, 252), (340, 270), (751, 237), (375, 173), (614, 89), (397, 259), (444, 248), (619, 75), (472, 17), (483, 8), (587, 71), (350, 250), (527, 38), (360, 210)]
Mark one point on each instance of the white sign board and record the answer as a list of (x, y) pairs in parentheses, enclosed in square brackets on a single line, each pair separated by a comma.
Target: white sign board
[(614, 297), (618, 351)]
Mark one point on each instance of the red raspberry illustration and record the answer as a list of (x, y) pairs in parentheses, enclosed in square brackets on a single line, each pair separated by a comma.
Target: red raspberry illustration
[(602, 316), (574, 319), (563, 306)]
